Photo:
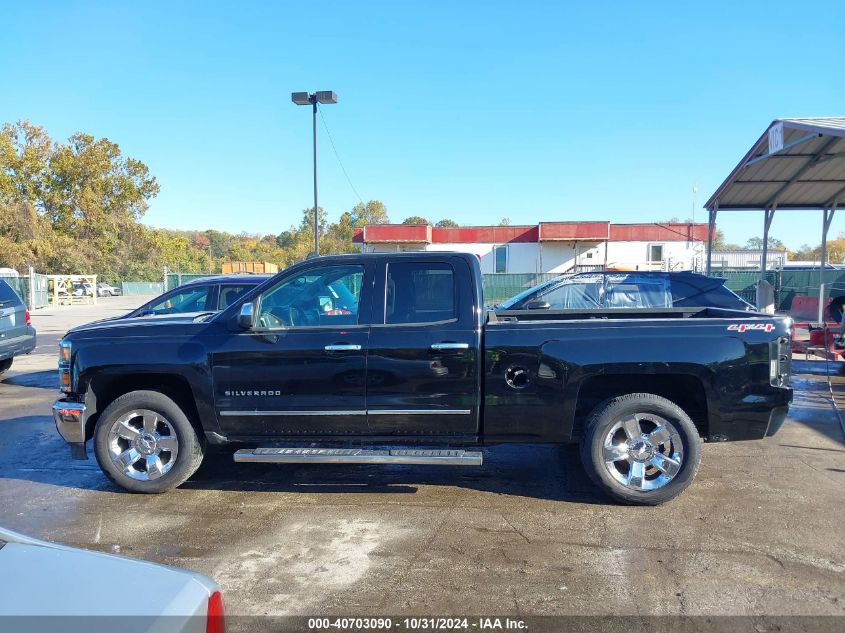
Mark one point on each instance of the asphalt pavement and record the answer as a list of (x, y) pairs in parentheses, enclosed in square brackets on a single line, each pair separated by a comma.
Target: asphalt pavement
[(759, 533)]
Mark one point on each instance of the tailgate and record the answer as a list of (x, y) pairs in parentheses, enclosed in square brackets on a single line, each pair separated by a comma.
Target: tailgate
[(12, 321)]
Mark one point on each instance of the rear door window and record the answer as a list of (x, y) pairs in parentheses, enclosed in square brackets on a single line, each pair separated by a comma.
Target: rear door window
[(193, 299), (419, 292), (230, 293), (630, 290), (712, 294)]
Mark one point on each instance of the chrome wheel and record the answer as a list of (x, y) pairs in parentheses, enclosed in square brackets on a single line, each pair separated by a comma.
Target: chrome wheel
[(143, 444), (643, 451)]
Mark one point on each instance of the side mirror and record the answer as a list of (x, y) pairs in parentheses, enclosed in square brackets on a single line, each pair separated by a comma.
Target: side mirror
[(538, 304), (147, 313), (246, 317)]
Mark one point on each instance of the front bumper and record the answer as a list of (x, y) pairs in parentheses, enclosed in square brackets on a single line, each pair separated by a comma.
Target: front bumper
[(70, 418)]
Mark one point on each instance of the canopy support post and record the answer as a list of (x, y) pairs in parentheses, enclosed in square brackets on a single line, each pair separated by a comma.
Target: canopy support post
[(711, 228), (767, 224), (827, 219)]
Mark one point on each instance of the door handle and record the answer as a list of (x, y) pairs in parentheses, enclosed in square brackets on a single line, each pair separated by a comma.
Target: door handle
[(442, 347), (342, 347)]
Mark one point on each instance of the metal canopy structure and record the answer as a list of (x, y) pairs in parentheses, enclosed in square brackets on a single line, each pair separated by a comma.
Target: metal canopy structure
[(795, 165)]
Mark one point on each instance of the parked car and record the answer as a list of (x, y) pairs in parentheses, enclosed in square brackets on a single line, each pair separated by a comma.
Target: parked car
[(209, 294), (45, 586), (376, 349), (585, 291), (17, 336), (105, 290), (82, 289)]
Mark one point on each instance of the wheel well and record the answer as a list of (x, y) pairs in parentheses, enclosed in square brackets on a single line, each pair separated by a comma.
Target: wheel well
[(104, 390), (684, 390)]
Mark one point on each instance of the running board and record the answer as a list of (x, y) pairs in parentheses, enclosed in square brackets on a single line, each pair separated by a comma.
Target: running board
[(358, 456)]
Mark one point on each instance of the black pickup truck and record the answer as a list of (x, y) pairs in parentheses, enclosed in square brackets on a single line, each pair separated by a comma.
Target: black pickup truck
[(390, 358)]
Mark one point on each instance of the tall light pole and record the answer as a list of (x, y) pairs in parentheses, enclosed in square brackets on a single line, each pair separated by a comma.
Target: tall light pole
[(312, 99)]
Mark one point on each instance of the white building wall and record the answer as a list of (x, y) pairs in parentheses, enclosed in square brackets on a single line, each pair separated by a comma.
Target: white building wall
[(522, 256), (676, 255), (560, 257)]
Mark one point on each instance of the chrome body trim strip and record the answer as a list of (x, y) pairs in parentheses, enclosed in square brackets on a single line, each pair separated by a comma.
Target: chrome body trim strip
[(258, 412), (342, 348), (419, 411), (359, 412)]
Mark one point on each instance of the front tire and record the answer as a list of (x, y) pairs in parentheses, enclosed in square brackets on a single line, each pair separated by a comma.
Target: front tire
[(5, 365), (145, 443), (641, 449)]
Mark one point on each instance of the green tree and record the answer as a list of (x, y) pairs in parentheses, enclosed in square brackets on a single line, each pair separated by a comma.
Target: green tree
[(505, 222), (373, 212), (415, 219), (756, 243), (447, 224), (720, 243)]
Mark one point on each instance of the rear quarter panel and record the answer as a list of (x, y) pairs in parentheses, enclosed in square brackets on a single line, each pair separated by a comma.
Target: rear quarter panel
[(561, 357)]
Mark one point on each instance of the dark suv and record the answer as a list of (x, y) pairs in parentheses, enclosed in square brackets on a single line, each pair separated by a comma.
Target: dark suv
[(17, 336), (611, 289), (208, 294)]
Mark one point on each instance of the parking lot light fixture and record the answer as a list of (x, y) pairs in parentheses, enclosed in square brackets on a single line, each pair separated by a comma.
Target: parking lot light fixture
[(304, 98)]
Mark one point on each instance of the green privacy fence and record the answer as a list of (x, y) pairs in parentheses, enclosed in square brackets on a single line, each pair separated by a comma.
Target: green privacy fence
[(174, 280), (501, 286), (130, 288), (742, 282), (36, 297), (788, 284)]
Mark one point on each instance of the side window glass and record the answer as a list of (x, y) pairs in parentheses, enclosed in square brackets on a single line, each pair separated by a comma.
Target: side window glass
[(230, 294), (329, 295), (419, 293), (188, 300), (7, 295), (574, 296), (637, 291)]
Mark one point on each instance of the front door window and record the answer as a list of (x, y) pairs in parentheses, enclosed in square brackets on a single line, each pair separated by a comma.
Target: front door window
[(325, 296)]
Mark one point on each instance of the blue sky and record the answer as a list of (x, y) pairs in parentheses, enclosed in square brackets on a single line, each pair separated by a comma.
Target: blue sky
[(536, 111)]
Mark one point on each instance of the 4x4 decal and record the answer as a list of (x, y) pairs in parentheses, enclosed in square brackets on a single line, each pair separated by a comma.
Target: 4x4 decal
[(745, 327)]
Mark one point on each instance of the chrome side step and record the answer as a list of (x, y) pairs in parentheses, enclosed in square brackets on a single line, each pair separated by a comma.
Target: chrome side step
[(358, 456)]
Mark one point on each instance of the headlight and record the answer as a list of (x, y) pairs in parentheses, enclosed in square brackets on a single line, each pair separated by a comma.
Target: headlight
[(64, 367)]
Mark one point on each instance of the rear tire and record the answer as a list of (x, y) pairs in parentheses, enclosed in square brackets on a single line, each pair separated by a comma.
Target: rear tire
[(641, 449), (145, 443), (5, 365)]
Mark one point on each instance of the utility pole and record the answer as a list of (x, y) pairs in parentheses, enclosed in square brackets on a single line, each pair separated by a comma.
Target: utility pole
[(312, 99)]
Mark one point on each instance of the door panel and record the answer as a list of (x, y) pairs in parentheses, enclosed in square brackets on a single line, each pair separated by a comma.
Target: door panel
[(302, 370), (422, 368), (290, 384)]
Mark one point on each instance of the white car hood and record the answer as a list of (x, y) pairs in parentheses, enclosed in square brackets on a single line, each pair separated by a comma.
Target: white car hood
[(38, 578)]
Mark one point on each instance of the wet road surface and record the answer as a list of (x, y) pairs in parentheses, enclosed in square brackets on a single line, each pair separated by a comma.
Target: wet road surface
[(760, 532)]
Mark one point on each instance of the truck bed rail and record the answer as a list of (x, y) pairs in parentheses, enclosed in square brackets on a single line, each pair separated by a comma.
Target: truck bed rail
[(509, 316)]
